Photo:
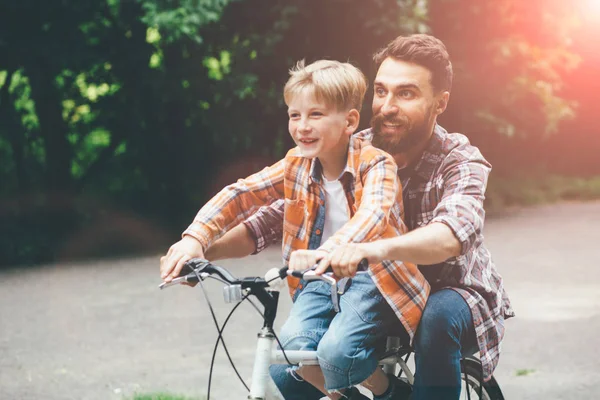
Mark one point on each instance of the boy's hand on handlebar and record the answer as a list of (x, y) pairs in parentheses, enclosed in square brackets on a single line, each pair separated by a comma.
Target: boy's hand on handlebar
[(301, 260), (344, 259), (179, 253)]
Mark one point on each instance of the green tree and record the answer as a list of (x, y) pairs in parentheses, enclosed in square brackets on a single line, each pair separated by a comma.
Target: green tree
[(143, 108)]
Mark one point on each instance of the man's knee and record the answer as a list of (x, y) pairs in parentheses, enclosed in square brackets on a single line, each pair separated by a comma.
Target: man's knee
[(442, 321)]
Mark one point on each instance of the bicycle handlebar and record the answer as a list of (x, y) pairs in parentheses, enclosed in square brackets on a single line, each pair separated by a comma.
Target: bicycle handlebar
[(199, 268)]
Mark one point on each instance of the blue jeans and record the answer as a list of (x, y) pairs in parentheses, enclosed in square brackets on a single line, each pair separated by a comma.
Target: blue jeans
[(348, 343), (445, 334)]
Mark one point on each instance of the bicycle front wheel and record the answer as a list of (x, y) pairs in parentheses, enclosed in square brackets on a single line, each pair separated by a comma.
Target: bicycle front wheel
[(473, 387)]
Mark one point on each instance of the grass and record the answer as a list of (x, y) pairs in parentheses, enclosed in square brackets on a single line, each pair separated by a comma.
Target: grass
[(524, 372), (503, 193), (161, 396)]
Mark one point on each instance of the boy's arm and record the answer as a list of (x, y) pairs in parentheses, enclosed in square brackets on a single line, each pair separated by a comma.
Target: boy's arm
[(224, 211), (236, 243), (235, 203), (265, 227), (380, 192)]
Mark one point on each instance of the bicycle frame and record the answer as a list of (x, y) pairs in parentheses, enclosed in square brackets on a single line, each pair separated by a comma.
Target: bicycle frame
[(266, 355)]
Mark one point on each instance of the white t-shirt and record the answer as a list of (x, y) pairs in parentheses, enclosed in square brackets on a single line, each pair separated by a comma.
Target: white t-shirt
[(336, 208)]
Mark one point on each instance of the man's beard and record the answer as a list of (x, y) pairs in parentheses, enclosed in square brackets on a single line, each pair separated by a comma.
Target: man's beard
[(401, 143)]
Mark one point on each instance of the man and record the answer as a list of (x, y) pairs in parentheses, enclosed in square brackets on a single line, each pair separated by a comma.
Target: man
[(443, 179)]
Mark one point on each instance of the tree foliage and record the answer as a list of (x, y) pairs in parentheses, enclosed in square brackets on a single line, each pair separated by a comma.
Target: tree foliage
[(136, 110)]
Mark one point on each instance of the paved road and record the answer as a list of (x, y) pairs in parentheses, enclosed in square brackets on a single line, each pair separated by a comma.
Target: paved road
[(102, 330)]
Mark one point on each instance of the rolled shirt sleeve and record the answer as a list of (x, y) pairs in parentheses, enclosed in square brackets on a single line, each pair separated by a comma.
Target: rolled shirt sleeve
[(461, 206), (266, 225)]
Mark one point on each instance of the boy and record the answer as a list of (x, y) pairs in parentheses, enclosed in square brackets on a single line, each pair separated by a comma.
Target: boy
[(337, 189)]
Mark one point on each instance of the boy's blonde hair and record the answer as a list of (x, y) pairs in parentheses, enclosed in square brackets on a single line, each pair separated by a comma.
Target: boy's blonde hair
[(337, 84)]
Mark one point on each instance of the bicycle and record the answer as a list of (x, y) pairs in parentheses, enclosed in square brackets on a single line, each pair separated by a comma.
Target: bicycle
[(394, 360)]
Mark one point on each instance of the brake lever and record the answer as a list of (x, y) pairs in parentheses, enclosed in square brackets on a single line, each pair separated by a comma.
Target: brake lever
[(183, 279), (310, 275)]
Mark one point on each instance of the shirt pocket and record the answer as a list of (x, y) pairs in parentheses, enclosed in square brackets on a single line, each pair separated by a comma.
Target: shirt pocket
[(294, 219)]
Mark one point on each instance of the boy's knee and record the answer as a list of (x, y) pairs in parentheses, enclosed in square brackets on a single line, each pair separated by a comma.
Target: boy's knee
[(335, 355), (296, 337), (338, 356), (344, 363), (293, 337), (299, 342)]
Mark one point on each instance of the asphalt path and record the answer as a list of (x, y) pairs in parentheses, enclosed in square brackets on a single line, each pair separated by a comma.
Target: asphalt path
[(102, 330)]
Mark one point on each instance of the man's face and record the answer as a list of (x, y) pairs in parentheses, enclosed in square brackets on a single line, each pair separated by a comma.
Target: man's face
[(404, 106)]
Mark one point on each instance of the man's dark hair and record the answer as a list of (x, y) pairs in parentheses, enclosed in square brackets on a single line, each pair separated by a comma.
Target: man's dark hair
[(424, 50)]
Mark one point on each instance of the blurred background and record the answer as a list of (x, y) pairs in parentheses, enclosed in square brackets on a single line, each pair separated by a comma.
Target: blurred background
[(119, 118)]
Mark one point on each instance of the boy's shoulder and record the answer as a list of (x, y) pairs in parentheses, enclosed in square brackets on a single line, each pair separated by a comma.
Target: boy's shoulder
[(365, 152), (293, 153), (294, 160)]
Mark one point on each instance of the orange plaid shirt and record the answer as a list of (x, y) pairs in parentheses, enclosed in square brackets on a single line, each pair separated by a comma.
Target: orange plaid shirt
[(375, 201)]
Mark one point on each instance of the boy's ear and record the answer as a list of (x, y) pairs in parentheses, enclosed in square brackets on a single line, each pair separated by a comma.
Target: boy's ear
[(352, 121)]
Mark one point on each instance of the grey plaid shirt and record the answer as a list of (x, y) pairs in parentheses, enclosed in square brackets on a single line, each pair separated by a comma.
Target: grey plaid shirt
[(446, 185)]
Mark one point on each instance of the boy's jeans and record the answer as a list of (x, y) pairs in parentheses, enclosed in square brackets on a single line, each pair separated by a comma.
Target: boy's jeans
[(445, 333), (348, 343)]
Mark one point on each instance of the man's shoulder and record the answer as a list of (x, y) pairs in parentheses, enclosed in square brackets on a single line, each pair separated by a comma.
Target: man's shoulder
[(456, 148)]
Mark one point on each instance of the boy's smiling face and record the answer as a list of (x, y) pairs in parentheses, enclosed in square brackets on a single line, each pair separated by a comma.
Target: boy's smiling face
[(318, 129)]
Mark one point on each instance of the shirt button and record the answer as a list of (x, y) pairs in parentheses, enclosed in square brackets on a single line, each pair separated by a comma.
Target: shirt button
[(318, 232)]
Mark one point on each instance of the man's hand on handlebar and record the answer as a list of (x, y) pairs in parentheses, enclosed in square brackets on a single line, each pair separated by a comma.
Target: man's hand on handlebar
[(345, 259), (179, 253)]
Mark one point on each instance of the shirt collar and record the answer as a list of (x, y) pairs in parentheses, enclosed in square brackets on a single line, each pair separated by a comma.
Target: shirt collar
[(432, 155), (316, 170)]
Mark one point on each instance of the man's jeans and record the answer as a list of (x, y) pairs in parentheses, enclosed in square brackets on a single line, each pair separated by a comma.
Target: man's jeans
[(446, 329), (445, 334), (348, 343)]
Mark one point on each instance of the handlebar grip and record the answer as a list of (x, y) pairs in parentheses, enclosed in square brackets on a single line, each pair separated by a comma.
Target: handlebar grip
[(363, 265), (185, 270), (300, 274), (202, 265)]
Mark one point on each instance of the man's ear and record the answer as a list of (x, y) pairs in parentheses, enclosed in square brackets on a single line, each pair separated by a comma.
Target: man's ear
[(442, 102), (352, 121)]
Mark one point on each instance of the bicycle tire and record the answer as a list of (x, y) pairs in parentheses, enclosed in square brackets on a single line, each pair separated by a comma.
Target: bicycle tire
[(472, 377)]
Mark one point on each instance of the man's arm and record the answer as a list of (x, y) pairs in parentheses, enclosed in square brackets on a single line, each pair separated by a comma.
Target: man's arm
[(454, 230), (431, 244), (457, 221)]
